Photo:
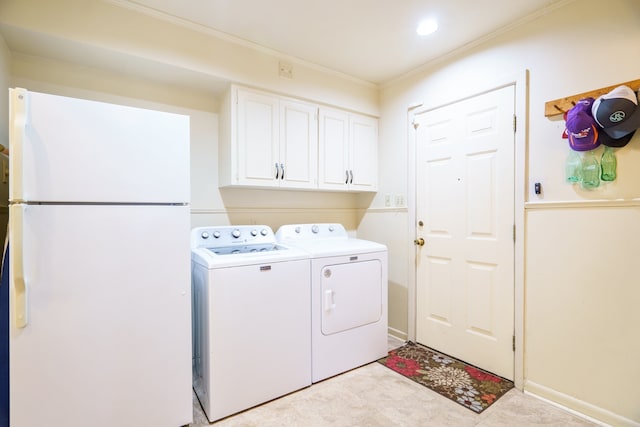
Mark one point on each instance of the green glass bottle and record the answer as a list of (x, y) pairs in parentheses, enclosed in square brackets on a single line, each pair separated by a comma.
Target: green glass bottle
[(608, 164), (573, 167), (590, 171)]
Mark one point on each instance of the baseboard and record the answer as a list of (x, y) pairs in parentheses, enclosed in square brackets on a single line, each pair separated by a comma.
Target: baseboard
[(578, 407), (397, 333)]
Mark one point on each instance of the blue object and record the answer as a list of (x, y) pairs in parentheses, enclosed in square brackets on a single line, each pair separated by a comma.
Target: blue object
[(4, 342)]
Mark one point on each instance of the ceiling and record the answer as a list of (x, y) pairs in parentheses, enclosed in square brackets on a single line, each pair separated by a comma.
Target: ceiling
[(372, 40)]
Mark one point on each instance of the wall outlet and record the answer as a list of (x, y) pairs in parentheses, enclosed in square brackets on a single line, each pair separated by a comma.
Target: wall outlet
[(400, 200), (285, 70)]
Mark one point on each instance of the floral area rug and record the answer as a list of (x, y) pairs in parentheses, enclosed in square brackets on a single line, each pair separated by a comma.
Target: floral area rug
[(467, 385)]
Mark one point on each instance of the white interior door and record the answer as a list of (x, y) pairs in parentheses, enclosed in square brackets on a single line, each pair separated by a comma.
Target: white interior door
[(465, 214)]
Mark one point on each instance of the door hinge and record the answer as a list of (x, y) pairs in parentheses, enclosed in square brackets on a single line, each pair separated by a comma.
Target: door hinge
[(415, 124), (514, 233), (513, 342), (515, 123)]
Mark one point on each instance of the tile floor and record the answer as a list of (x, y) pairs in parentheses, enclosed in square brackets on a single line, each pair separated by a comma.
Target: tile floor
[(373, 395)]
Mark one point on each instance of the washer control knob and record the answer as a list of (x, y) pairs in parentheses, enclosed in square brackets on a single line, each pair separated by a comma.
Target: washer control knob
[(331, 228), (216, 234), (264, 232), (254, 232), (297, 230), (204, 235), (315, 229), (235, 233)]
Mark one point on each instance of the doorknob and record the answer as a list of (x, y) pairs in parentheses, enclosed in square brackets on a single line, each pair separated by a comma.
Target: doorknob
[(419, 241)]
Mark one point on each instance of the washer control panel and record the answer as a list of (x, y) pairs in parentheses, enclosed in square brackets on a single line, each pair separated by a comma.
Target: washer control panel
[(232, 235)]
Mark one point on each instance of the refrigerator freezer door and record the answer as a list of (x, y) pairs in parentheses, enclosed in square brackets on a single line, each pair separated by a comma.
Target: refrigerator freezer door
[(73, 150), (108, 337)]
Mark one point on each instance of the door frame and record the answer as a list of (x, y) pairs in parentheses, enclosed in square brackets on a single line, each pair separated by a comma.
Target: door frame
[(520, 81)]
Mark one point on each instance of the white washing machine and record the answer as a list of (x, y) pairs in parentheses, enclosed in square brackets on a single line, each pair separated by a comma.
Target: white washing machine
[(251, 318), (348, 297)]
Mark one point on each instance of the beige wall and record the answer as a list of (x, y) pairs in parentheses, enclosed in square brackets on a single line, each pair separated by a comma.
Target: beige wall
[(582, 338), (122, 40), (581, 247)]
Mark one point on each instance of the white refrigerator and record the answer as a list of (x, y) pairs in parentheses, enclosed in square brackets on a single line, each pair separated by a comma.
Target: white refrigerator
[(99, 294)]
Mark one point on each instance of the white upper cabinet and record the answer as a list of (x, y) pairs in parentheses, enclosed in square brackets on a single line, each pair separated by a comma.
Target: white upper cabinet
[(258, 139), (333, 149), (298, 144), (348, 151), (267, 140)]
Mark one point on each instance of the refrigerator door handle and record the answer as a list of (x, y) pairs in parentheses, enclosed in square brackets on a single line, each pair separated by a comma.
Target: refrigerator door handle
[(18, 122), (17, 269)]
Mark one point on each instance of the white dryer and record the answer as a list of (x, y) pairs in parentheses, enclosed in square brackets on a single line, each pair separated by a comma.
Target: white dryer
[(251, 318), (348, 296)]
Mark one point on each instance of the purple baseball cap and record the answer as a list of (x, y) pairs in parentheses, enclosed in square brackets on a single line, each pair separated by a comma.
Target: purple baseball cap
[(581, 126)]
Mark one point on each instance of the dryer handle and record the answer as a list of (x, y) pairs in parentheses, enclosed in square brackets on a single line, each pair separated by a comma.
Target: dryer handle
[(329, 300)]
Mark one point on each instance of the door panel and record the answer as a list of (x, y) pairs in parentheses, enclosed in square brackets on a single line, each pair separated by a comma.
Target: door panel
[(342, 290), (363, 153), (274, 350), (299, 144), (258, 138), (465, 187), (70, 148), (333, 155), (109, 308), (440, 275)]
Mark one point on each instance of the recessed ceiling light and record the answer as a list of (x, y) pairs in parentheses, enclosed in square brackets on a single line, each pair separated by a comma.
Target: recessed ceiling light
[(426, 27)]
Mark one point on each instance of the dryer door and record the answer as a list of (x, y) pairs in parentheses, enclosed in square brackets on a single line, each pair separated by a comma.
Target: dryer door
[(351, 295)]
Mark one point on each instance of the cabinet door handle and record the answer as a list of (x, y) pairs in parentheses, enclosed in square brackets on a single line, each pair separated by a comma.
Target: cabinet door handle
[(277, 172), (281, 170), (351, 180)]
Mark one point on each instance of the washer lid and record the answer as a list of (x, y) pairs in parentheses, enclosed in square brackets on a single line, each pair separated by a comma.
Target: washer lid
[(208, 257), (243, 249)]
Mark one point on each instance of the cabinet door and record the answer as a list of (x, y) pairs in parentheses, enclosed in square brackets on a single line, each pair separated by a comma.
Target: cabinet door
[(258, 136), (298, 144), (333, 154), (363, 153)]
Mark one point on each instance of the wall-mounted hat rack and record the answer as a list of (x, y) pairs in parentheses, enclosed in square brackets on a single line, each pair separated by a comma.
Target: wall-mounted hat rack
[(559, 106)]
